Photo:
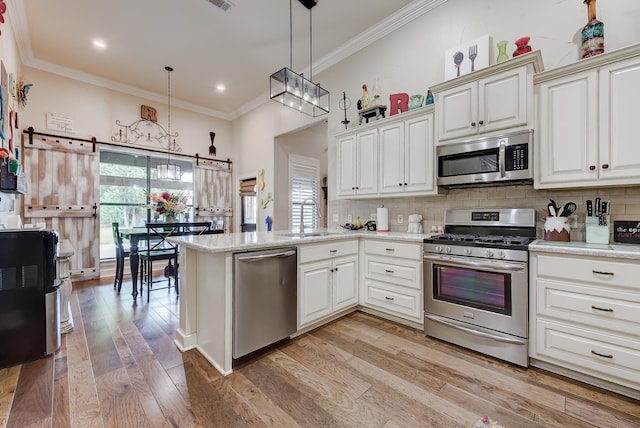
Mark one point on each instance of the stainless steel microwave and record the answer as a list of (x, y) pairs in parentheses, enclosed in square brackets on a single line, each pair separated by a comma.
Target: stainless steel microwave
[(499, 159)]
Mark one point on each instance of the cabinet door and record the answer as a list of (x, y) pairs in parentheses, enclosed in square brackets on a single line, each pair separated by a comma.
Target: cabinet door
[(419, 163), (314, 291), (345, 282), (367, 163), (392, 158), (503, 100), (457, 111), (346, 166), (566, 138), (619, 151)]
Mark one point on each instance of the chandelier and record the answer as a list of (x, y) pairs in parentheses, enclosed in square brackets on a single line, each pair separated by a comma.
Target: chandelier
[(294, 90), (169, 171)]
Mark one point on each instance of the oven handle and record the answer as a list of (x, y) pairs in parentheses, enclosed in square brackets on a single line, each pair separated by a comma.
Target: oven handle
[(509, 267), (475, 332)]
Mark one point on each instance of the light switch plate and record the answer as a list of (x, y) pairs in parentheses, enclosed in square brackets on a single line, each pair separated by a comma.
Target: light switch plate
[(335, 218), (349, 218), (400, 219)]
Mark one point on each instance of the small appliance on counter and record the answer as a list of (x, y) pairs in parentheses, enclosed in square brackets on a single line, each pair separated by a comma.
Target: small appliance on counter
[(29, 296)]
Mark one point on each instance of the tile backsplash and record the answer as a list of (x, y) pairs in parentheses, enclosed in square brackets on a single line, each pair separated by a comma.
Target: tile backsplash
[(625, 205)]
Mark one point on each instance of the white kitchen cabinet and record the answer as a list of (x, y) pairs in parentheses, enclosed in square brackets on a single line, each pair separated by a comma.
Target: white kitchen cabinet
[(358, 163), (328, 280), (584, 317), (407, 165), (495, 98), (586, 134), (392, 279)]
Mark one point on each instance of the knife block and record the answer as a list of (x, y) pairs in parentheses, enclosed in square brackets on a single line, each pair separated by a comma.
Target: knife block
[(597, 234)]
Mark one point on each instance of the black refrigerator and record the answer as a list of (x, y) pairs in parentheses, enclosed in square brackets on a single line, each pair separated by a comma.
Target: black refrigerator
[(29, 300)]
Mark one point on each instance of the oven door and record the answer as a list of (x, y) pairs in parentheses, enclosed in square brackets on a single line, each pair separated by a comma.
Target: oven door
[(490, 294)]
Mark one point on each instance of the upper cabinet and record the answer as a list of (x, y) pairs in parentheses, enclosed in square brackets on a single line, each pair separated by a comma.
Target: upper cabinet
[(407, 156), (488, 100), (390, 157), (358, 163), (585, 112)]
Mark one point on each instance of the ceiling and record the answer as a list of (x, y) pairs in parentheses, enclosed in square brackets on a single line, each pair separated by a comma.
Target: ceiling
[(238, 48)]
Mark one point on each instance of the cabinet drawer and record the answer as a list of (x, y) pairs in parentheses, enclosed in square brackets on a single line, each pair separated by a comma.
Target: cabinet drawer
[(400, 272), (313, 252), (593, 270), (393, 249), (394, 300), (591, 352), (594, 306)]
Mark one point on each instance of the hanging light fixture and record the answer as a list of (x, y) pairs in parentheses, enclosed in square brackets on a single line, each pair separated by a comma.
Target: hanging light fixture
[(169, 171), (294, 90)]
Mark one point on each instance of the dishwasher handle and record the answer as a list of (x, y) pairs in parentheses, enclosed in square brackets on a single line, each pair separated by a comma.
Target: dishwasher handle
[(259, 257)]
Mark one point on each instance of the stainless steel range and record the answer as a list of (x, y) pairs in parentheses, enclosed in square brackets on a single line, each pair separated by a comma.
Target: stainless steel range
[(476, 281)]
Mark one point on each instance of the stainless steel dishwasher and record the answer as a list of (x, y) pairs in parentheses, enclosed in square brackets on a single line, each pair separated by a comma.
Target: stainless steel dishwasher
[(265, 302)]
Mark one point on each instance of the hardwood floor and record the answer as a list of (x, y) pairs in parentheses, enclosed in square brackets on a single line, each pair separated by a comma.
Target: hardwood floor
[(119, 367)]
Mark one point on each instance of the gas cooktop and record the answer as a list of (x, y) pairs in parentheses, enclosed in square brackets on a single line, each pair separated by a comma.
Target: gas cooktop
[(447, 238)]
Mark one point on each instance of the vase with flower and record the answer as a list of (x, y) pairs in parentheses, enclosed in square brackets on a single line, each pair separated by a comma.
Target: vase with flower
[(167, 204)]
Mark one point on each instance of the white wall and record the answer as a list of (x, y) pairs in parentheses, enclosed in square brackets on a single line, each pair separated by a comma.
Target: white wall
[(95, 110)]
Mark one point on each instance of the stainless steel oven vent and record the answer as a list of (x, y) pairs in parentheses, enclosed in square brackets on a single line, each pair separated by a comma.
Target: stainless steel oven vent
[(222, 4)]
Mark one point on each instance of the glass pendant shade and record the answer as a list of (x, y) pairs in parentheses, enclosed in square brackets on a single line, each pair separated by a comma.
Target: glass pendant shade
[(294, 90), (169, 171)]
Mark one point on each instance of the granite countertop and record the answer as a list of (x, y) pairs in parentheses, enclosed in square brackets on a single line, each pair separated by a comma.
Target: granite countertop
[(251, 241), (615, 250)]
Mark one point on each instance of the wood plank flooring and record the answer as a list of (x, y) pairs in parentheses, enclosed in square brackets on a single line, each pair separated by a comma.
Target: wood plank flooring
[(119, 367)]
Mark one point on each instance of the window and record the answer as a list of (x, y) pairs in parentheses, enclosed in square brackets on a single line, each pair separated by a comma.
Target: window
[(304, 177), (124, 179)]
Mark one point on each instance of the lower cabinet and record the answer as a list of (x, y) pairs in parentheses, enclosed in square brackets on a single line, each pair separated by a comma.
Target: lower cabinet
[(392, 281), (328, 280), (584, 316)]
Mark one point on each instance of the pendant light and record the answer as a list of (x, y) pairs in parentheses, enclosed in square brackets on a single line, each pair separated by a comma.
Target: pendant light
[(294, 90), (169, 171)]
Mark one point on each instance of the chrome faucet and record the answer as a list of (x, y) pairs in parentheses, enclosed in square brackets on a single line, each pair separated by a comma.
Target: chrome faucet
[(302, 212)]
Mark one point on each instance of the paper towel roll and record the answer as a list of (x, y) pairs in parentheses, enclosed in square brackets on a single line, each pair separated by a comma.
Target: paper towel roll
[(382, 220)]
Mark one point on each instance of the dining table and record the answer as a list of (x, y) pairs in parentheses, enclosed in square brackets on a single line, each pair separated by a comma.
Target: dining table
[(158, 231)]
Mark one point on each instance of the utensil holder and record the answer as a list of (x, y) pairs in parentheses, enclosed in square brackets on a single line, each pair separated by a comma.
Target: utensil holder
[(596, 233), (557, 229)]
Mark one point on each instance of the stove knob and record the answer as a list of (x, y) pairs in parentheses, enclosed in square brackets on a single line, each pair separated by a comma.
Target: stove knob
[(502, 254), (448, 249), (489, 253), (438, 249), (467, 251)]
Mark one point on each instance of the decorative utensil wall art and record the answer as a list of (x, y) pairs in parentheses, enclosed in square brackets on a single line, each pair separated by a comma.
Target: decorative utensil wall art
[(467, 57)]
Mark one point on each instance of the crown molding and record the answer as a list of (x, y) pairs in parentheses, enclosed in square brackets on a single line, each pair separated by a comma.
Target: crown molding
[(410, 12)]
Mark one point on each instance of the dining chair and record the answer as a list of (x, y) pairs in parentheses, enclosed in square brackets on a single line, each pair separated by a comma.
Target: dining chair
[(122, 251), (157, 248)]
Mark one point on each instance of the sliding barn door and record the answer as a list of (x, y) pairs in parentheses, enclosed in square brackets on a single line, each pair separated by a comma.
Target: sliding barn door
[(212, 192), (63, 178)]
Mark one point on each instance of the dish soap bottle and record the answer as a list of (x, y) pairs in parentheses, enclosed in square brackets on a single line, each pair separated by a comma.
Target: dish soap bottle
[(358, 224)]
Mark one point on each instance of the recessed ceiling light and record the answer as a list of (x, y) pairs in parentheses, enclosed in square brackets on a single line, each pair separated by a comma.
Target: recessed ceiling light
[(220, 88), (99, 44)]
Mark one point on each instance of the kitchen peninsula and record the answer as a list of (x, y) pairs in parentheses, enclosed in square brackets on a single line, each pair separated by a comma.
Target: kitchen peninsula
[(206, 282)]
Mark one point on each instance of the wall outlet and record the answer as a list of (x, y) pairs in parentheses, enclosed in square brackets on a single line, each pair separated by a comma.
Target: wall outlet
[(400, 219), (349, 218), (372, 217), (335, 218)]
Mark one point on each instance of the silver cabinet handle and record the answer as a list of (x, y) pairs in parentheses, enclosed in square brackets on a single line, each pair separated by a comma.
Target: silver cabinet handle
[(259, 257)]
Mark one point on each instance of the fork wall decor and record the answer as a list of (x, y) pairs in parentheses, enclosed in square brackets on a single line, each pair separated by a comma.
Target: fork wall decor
[(467, 57)]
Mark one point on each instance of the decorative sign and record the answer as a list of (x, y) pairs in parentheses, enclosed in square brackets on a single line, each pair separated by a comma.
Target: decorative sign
[(467, 57), (60, 122), (627, 232), (148, 113)]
